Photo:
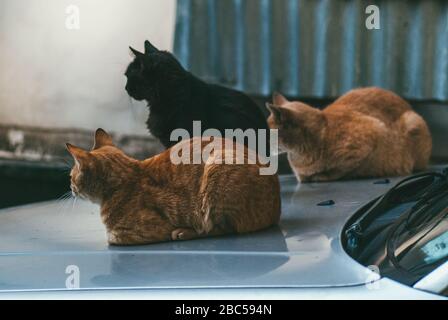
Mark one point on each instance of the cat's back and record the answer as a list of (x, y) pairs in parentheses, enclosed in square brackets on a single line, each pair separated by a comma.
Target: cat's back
[(372, 101), (222, 180), (190, 157), (233, 109)]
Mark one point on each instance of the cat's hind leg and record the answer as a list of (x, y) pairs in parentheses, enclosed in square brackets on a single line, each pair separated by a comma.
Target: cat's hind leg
[(418, 138)]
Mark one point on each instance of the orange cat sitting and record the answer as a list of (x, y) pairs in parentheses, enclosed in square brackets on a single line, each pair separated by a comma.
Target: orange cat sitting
[(155, 200), (368, 132)]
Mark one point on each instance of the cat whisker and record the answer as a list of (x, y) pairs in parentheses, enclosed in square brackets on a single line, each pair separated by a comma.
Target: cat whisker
[(63, 201), (74, 203), (64, 195), (133, 110)]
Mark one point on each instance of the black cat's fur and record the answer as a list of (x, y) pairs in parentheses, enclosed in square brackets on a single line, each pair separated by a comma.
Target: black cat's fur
[(176, 98)]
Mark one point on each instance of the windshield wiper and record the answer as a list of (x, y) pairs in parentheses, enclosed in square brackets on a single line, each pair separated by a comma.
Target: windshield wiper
[(423, 189)]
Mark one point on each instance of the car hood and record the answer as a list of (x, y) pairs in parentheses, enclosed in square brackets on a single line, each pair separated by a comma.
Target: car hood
[(44, 245)]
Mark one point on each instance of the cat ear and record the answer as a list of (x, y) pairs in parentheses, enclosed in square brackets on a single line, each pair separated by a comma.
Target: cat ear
[(149, 48), (278, 99), (136, 53), (102, 139), (279, 113), (78, 154)]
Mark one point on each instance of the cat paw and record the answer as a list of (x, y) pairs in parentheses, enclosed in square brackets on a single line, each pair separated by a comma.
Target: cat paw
[(112, 239), (183, 234)]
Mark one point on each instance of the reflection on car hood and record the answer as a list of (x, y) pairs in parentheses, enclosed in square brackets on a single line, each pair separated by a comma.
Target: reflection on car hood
[(39, 241)]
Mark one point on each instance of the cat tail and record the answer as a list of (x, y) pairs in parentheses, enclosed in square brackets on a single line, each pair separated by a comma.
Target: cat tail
[(418, 138)]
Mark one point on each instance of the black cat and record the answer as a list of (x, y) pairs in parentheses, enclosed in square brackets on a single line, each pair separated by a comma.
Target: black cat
[(176, 97)]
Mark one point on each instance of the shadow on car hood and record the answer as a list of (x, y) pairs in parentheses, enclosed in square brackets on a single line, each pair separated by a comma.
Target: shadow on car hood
[(43, 245)]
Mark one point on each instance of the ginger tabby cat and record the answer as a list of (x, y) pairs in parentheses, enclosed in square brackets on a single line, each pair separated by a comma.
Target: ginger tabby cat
[(154, 200), (368, 132)]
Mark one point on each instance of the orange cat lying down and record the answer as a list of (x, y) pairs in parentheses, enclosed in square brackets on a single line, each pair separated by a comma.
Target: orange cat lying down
[(155, 200), (368, 132)]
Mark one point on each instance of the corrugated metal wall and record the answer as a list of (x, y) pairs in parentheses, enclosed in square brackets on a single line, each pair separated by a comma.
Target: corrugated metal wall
[(316, 48)]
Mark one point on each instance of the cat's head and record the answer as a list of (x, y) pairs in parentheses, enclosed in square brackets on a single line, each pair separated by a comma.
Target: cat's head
[(149, 70), (96, 171), (298, 124)]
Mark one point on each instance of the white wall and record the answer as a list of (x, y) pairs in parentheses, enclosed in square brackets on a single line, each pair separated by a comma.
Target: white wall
[(51, 76)]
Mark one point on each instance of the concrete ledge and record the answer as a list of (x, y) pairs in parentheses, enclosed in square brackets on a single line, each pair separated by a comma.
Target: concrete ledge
[(48, 145), (35, 166)]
